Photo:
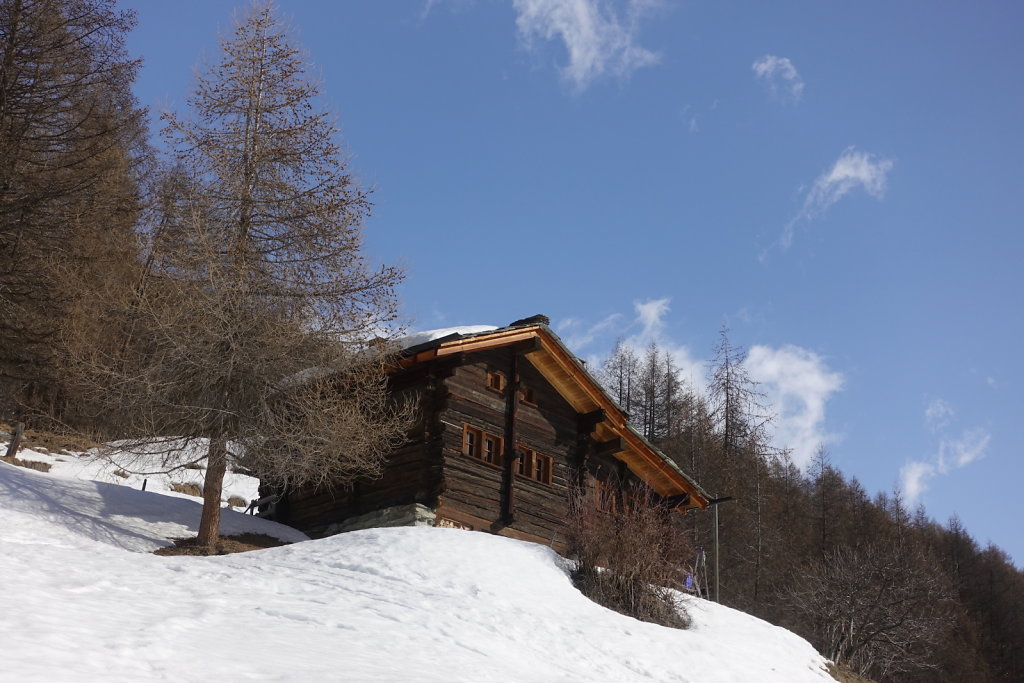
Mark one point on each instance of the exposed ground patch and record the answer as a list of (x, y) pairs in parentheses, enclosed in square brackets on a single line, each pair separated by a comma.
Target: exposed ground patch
[(238, 543)]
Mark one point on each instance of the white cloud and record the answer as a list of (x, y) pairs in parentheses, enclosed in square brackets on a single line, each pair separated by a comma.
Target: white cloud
[(453, 6), (650, 317), (914, 477), (938, 414), (957, 453), (798, 383), (780, 75), (427, 6), (853, 169), (599, 37), (953, 453), (647, 325), (690, 118), (578, 336), (650, 314)]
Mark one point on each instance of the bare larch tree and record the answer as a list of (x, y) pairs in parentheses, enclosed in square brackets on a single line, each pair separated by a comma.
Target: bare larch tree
[(71, 140), (881, 609), (254, 328)]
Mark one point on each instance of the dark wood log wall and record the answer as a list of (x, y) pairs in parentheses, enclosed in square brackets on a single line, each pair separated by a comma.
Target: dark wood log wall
[(431, 468), (412, 474), (474, 492)]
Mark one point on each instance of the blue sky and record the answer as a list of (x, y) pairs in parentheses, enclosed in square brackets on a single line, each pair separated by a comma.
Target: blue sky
[(838, 182)]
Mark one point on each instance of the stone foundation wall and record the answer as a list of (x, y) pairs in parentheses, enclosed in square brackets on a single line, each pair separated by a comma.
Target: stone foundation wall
[(399, 515)]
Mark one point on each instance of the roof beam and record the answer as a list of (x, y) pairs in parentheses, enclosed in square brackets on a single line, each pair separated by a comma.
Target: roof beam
[(609, 447), (588, 421)]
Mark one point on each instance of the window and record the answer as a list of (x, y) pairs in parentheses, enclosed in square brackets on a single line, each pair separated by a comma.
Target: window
[(541, 468), (479, 444), (492, 450), (471, 441), (536, 466), (496, 381), (526, 395)]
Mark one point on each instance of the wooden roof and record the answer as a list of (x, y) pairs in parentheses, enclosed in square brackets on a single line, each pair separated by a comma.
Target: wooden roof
[(568, 376)]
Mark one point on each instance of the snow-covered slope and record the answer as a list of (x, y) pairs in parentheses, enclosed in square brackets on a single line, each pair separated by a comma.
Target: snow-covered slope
[(135, 469), (80, 602)]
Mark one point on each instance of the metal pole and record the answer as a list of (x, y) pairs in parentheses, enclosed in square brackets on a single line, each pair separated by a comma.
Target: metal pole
[(715, 510)]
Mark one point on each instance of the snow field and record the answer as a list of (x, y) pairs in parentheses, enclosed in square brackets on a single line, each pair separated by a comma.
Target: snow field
[(84, 600)]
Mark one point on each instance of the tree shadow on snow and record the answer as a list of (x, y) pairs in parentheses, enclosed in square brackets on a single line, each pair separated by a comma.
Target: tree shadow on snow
[(108, 513)]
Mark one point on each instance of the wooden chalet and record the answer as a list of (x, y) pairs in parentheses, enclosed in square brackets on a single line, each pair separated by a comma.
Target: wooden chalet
[(509, 420)]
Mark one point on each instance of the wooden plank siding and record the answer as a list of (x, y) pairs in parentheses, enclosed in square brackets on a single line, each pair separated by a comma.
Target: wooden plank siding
[(474, 492)]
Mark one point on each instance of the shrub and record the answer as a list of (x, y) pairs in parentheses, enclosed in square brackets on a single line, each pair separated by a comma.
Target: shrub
[(27, 464), (188, 489), (627, 550)]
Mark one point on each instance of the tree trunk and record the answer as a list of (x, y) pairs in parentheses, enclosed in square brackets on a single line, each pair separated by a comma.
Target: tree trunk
[(15, 444), (216, 466)]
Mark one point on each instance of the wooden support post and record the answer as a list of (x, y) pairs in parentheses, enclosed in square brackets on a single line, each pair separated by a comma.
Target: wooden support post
[(715, 512), (15, 444), (512, 454), (586, 448)]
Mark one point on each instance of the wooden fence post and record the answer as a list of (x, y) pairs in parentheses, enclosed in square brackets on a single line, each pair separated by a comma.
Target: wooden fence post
[(12, 447)]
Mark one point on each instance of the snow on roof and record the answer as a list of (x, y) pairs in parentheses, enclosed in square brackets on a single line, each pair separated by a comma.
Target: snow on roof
[(417, 338)]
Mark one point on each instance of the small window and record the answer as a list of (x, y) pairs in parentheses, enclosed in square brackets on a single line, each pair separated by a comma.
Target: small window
[(535, 466), (496, 381), (492, 450), (471, 442), (527, 396), (480, 445), (541, 468)]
